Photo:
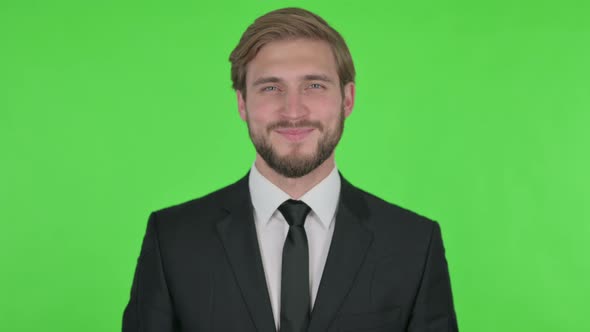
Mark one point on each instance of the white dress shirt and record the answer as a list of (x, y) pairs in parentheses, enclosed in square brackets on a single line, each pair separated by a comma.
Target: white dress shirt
[(272, 229)]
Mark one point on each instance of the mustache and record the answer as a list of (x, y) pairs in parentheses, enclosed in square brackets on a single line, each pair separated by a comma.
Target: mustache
[(285, 124)]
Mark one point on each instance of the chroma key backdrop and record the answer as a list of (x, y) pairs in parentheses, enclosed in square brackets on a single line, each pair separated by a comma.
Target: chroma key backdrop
[(473, 113)]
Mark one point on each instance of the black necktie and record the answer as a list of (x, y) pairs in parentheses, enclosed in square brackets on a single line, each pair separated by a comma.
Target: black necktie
[(295, 298)]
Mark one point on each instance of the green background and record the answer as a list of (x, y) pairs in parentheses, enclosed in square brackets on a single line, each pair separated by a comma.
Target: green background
[(472, 113)]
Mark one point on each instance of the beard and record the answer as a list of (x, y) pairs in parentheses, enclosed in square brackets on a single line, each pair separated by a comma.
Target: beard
[(296, 165)]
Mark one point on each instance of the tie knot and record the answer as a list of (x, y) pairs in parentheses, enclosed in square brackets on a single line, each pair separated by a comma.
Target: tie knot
[(294, 212)]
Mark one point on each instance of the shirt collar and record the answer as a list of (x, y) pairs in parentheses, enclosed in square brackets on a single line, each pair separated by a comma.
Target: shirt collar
[(267, 197)]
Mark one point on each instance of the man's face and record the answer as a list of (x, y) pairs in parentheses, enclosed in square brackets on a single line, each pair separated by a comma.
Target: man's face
[(295, 108)]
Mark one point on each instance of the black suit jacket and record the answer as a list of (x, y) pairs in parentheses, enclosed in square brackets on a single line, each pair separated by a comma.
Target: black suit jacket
[(200, 270)]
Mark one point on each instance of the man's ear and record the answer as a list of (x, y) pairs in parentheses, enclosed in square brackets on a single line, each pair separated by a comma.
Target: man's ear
[(348, 100), (241, 104)]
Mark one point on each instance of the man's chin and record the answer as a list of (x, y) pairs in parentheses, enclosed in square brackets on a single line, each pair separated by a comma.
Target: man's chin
[(295, 158), (294, 165), (296, 151)]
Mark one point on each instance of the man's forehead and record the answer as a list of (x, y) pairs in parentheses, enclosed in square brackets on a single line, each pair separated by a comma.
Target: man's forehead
[(293, 59)]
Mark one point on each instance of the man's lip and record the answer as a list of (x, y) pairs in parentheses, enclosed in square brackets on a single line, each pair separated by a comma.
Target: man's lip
[(294, 134), (294, 131)]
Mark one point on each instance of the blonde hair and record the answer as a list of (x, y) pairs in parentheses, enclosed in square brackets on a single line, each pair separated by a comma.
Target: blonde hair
[(282, 24)]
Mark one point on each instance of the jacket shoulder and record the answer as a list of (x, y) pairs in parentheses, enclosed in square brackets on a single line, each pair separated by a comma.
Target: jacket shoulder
[(207, 207), (398, 230), (385, 215)]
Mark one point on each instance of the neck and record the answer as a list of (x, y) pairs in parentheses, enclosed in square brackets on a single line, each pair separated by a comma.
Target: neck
[(298, 186)]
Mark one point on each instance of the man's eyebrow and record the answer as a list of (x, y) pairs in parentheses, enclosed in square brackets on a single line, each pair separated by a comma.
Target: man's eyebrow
[(308, 77), (264, 80), (317, 77)]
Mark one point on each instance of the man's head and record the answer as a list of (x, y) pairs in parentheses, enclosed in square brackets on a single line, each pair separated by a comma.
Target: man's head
[(294, 79)]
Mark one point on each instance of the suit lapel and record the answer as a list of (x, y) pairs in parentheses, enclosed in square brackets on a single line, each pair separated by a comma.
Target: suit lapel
[(238, 235), (350, 243)]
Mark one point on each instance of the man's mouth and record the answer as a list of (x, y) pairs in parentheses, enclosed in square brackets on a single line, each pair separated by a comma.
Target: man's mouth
[(295, 134)]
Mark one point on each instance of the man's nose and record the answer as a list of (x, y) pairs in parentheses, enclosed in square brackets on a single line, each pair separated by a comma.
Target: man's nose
[(294, 105)]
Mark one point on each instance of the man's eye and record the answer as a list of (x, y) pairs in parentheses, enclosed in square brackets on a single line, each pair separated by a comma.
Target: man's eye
[(269, 88), (315, 86)]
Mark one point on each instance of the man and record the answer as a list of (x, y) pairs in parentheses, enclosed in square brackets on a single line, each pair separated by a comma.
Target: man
[(292, 246)]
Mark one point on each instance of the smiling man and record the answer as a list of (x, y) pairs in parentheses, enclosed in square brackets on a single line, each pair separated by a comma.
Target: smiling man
[(295, 111), (292, 246)]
